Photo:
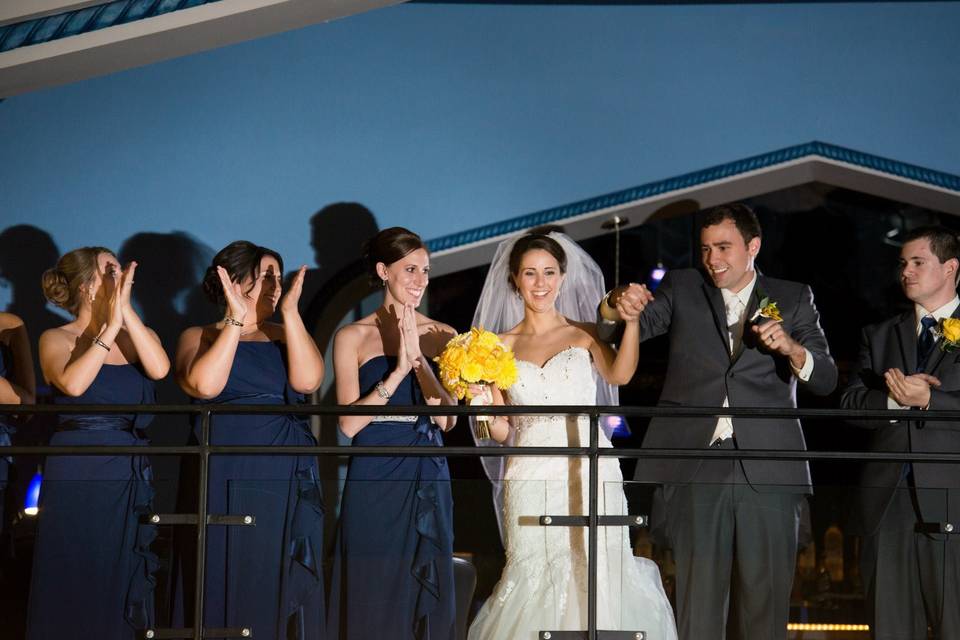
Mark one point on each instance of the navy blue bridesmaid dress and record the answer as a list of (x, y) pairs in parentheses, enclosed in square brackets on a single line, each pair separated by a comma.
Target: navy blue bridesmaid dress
[(393, 563), (6, 430), (267, 577), (92, 565)]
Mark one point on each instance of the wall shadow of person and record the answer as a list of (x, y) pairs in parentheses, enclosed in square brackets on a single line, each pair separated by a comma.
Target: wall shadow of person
[(168, 296), (332, 293)]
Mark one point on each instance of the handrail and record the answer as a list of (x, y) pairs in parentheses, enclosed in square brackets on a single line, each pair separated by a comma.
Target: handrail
[(204, 450)]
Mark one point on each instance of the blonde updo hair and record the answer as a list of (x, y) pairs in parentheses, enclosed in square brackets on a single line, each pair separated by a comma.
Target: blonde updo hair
[(61, 284)]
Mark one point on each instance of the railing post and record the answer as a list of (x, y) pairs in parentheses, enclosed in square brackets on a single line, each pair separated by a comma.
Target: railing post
[(593, 528), (204, 453)]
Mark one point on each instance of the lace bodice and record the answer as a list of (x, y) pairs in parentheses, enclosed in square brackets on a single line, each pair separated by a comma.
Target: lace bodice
[(566, 378)]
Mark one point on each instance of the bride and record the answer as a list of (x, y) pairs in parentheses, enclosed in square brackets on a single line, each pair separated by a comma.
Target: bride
[(539, 290)]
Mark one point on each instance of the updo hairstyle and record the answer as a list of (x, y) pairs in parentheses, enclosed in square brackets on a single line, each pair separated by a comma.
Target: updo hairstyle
[(61, 284), (532, 242), (387, 247), (240, 259)]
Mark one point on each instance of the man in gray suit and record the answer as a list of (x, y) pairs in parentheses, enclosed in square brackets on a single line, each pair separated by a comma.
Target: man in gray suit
[(911, 569), (732, 525)]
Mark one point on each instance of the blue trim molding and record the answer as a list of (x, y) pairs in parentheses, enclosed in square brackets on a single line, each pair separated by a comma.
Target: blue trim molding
[(101, 16), (719, 172)]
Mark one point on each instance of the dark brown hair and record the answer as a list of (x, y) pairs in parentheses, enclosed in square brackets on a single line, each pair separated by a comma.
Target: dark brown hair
[(943, 242), (387, 247), (533, 242), (241, 259), (742, 216), (61, 284)]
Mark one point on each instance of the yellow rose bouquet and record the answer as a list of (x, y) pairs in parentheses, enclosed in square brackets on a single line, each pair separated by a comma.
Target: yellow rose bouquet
[(948, 330), (476, 357)]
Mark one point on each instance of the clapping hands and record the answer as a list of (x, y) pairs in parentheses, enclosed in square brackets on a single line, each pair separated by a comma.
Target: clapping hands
[(910, 391), (234, 297), (408, 353)]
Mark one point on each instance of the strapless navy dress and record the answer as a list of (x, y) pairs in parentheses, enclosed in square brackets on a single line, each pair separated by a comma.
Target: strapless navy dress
[(92, 564), (267, 577), (6, 430), (393, 563)]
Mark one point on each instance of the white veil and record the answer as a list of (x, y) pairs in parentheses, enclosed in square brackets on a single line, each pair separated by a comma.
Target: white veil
[(500, 309)]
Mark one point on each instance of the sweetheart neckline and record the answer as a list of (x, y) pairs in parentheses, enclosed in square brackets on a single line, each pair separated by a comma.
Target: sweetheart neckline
[(553, 357)]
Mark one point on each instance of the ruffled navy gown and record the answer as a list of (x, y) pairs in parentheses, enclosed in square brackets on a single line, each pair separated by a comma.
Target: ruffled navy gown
[(267, 577), (393, 564), (92, 564), (6, 430)]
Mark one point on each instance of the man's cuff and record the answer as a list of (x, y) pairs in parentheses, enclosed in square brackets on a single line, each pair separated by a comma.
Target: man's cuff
[(608, 313), (893, 405), (803, 373)]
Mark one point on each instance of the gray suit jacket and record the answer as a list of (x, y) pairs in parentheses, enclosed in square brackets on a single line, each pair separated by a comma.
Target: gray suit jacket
[(893, 344), (701, 372)]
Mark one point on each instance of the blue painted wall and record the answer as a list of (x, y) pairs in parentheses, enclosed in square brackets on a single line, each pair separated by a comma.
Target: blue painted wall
[(444, 117)]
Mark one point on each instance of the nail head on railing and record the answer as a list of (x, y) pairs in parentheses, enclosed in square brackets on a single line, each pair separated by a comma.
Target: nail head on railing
[(247, 519), (546, 635), (547, 520), (154, 519), (245, 632), (948, 527), (639, 520), (149, 633)]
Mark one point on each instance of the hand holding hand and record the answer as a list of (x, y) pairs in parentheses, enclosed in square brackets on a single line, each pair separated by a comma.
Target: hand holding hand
[(910, 391), (233, 295), (291, 299), (632, 301)]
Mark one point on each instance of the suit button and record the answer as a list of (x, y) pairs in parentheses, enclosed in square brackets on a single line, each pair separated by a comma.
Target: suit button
[(732, 374)]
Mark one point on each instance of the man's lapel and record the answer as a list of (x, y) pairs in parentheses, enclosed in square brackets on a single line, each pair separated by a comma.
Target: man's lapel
[(752, 305), (907, 334), (715, 302)]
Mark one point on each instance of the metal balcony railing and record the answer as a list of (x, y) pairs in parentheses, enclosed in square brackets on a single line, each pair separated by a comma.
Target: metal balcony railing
[(203, 450)]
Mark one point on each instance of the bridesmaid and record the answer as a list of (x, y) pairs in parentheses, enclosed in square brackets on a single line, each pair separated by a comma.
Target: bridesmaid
[(393, 565), (267, 577), (17, 386), (92, 567)]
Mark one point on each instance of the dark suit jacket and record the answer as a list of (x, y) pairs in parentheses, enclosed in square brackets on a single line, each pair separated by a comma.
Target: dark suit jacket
[(893, 344), (701, 372)]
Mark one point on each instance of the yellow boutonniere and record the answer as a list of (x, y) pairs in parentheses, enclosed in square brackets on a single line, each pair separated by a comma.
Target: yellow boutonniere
[(948, 330), (767, 309)]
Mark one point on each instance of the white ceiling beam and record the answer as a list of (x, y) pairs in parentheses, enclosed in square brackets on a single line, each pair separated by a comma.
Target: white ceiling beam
[(163, 37), (12, 11)]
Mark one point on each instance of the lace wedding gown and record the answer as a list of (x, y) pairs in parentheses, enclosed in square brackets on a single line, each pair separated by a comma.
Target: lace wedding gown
[(544, 582)]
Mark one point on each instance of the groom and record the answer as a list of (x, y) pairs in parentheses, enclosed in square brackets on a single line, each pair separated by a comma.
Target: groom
[(738, 339)]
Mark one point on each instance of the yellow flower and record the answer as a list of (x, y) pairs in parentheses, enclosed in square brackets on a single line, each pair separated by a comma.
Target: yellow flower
[(770, 311), (476, 356), (950, 329)]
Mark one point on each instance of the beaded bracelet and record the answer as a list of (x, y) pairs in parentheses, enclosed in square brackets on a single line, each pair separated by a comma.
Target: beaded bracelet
[(228, 320), (382, 391)]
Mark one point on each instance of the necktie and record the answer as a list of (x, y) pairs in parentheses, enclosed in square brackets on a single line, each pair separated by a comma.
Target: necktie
[(734, 311), (925, 341)]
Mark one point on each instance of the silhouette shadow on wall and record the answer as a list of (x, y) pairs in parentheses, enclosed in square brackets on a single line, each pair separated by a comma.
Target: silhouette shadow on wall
[(332, 294), (170, 267)]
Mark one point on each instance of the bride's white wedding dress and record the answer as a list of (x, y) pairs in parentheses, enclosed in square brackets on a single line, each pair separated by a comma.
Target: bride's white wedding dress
[(544, 582)]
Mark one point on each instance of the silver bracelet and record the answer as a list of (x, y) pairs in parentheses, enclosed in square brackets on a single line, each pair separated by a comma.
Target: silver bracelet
[(101, 343), (228, 320), (382, 391)]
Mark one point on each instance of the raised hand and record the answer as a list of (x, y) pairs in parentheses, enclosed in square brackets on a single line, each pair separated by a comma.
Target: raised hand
[(233, 295), (632, 301), (126, 287), (112, 282), (408, 353), (291, 299)]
